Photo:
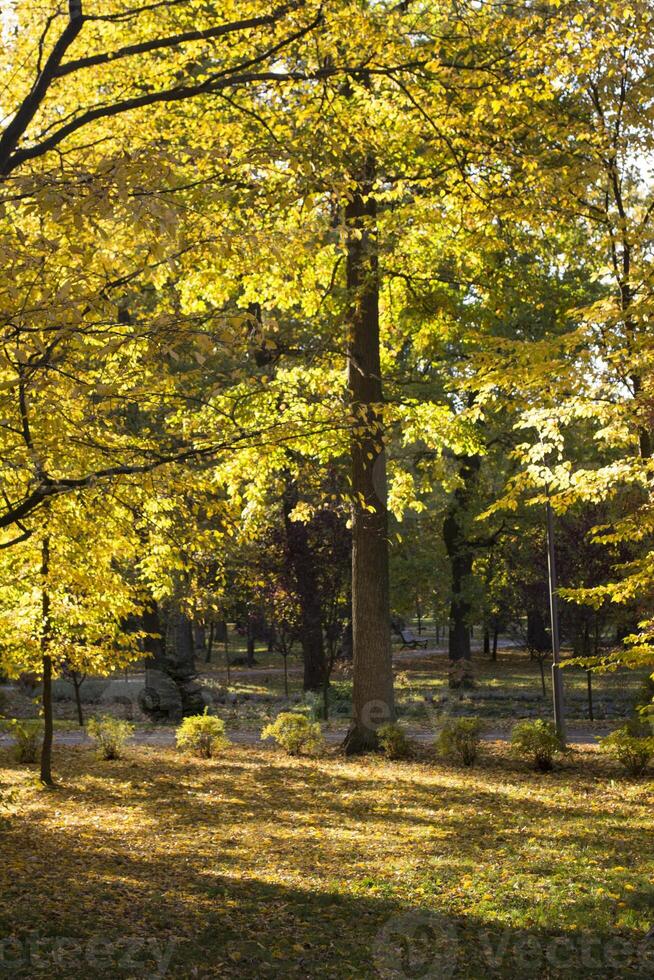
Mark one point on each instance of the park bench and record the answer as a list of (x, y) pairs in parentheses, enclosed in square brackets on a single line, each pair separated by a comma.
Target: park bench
[(410, 640)]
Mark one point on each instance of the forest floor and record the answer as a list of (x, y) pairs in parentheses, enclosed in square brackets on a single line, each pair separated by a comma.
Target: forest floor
[(256, 865)]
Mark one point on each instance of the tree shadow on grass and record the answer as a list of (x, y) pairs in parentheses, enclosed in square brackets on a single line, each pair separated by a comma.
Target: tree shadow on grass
[(252, 929), (300, 791), (226, 859), (243, 785)]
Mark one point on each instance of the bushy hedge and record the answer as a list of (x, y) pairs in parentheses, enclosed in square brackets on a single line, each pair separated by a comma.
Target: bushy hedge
[(110, 735), (28, 735), (295, 733), (538, 742), (393, 741), (203, 734), (459, 740), (632, 746)]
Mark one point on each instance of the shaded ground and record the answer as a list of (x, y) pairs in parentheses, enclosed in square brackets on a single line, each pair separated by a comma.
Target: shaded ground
[(505, 691), (254, 865)]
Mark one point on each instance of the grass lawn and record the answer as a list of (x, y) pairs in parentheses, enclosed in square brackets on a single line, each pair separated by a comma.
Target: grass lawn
[(256, 865), (505, 690)]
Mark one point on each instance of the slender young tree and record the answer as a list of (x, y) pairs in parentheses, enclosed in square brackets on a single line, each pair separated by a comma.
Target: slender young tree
[(46, 660)]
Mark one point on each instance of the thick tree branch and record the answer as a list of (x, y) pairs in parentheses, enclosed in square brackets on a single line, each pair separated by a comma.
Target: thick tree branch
[(11, 158), (180, 93), (154, 44), (49, 488), (17, 540), (29, 107)]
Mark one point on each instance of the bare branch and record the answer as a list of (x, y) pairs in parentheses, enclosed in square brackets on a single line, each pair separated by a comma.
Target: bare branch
[(17, 540)]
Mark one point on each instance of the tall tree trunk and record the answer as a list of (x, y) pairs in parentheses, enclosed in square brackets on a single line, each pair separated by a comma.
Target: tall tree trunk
[(171, 689), (199, 639), (459, 634), (180, 655), (373, 702), (622, 264), (48, 723), (460, 553), (305, 576), (159, 699), (285, 656), (538, 640), (77, 683)]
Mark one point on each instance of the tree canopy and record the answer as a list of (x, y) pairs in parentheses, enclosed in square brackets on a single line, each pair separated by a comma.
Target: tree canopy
[(281, 282)]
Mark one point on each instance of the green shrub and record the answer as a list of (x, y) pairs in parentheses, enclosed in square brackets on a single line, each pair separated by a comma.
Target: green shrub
[(459, 739), (28, 734), (203, 734), (340, 699), (393, 740), (538, 742), (632, 746), (295, 733), (110, 735)]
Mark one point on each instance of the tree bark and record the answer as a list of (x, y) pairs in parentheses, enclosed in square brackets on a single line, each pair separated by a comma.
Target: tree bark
[(180, 656), (77, 683), (460, 552), (460, 609), (305, 577), (199, 639), (48, 722), (171, 689), (227, 667), (538, 641), (373, 702)]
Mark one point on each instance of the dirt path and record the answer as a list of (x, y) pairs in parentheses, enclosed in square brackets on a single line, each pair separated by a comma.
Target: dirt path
[(166, 737)]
